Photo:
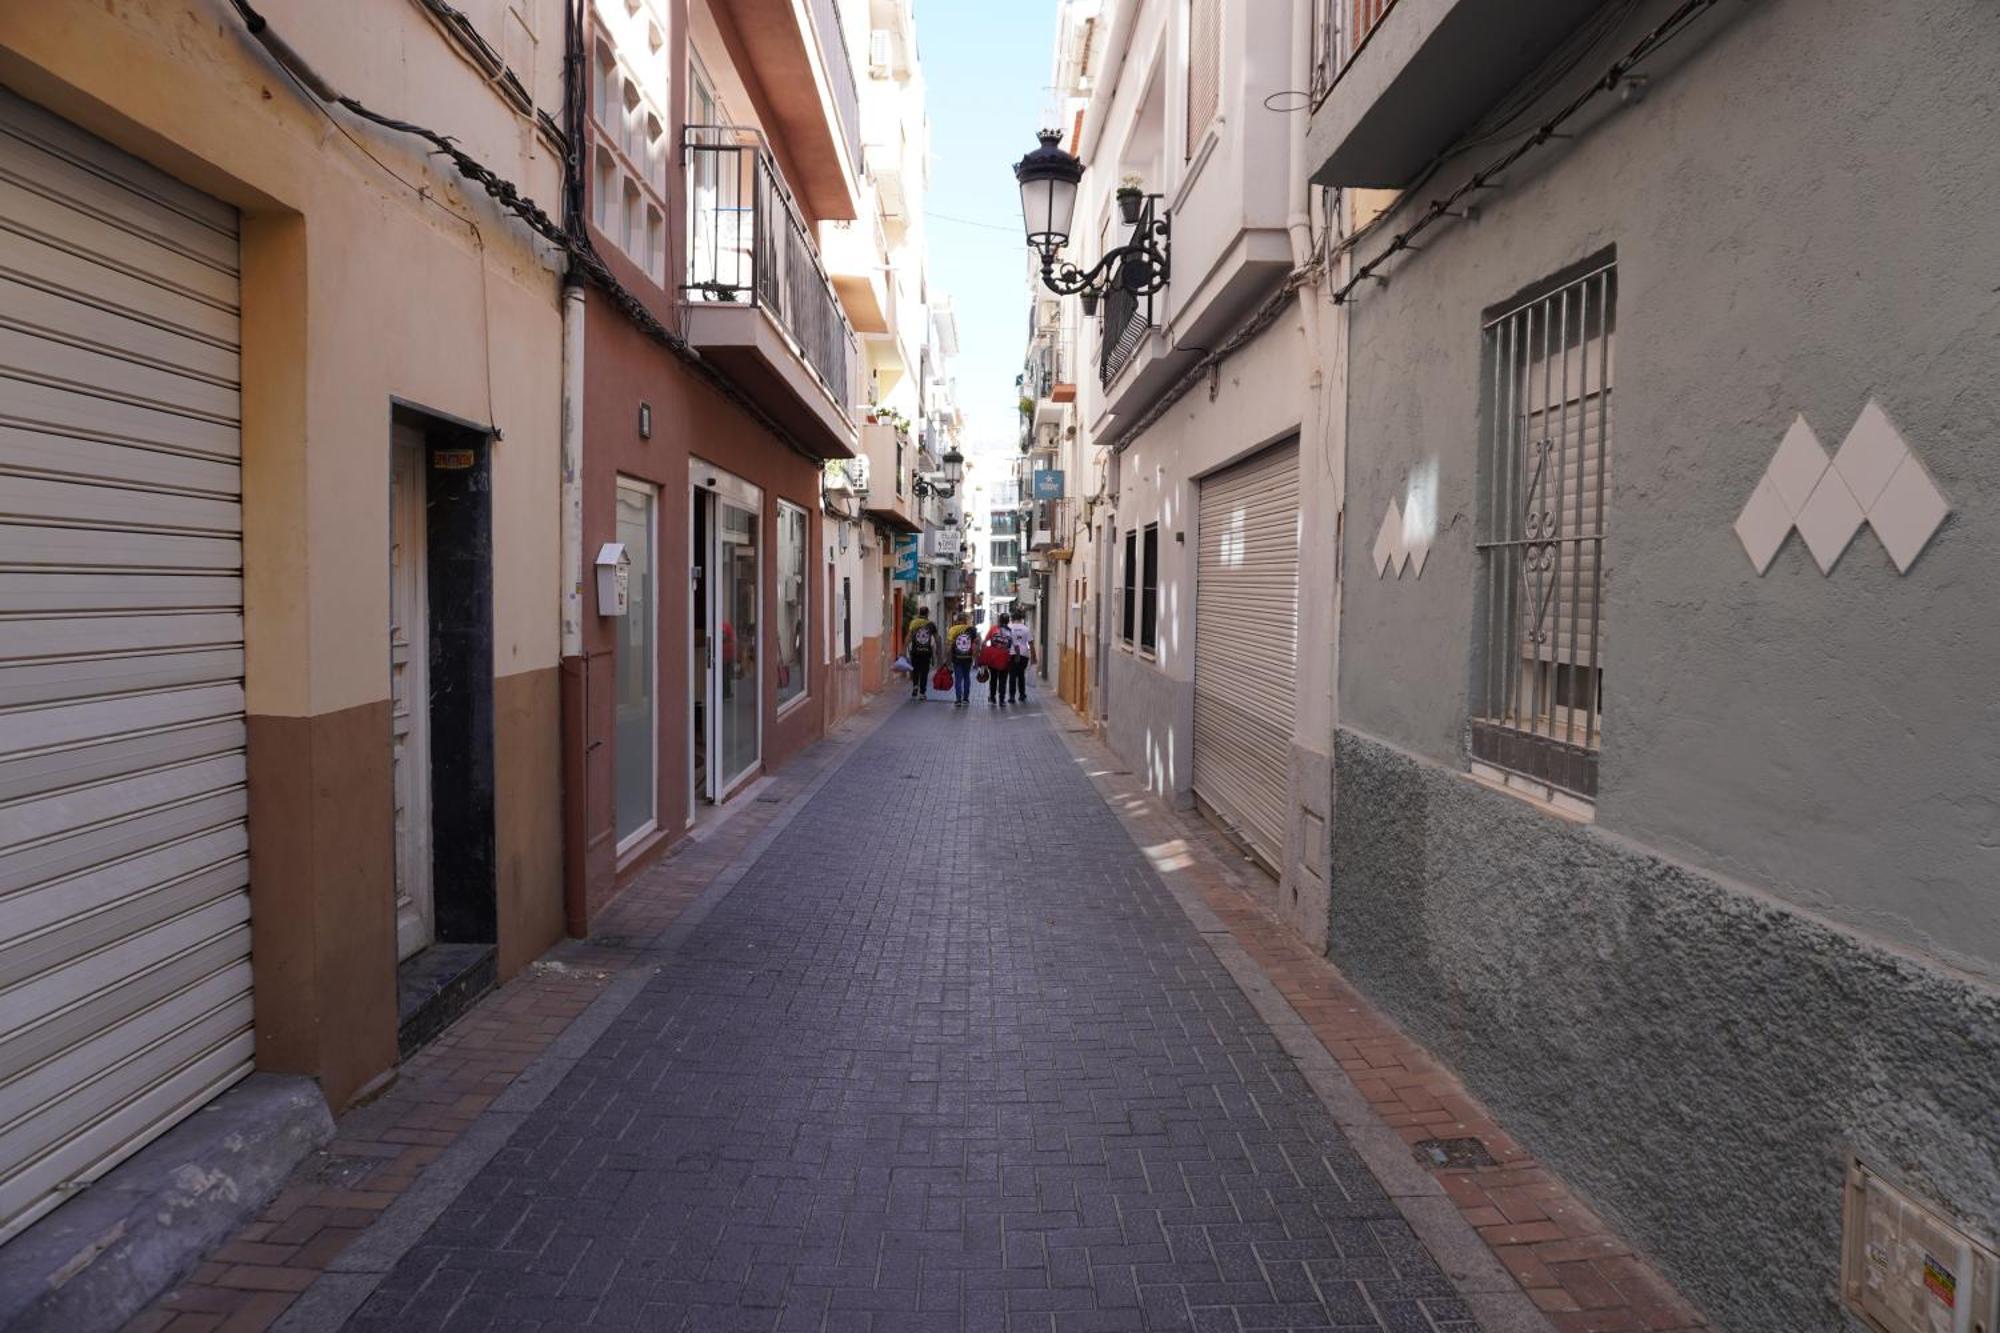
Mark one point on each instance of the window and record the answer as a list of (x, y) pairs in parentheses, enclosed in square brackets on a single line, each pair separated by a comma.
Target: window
[(1006, 554), (1149, 589), (1204, 81), (1129, 588), (1544, 476), (846, 619), (628, 177), (791, 644)]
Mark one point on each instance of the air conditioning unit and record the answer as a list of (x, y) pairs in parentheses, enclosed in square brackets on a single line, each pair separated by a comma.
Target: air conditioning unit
[(881, 54), (857, 473)]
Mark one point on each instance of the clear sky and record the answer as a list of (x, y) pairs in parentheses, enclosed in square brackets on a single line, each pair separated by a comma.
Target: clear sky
[(986, 69)]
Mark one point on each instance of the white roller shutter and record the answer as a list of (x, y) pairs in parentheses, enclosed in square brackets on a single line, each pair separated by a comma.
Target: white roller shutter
[(1246, 645), (124, 873)]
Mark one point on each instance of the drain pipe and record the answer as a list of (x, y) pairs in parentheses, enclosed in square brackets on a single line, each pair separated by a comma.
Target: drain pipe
[(574, 665)]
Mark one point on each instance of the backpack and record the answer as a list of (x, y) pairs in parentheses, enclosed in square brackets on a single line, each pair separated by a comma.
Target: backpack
[(920, 641), (962, 645)]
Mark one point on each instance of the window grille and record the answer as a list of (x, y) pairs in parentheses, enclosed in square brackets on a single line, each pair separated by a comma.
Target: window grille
[(1129, 590), (1149, 589), (1204, 85), (1540, 710)]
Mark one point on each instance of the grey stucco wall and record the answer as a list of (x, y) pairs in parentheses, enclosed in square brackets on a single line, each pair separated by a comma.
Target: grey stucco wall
[(1696, 1058), (1150, 725), (1805, 207)]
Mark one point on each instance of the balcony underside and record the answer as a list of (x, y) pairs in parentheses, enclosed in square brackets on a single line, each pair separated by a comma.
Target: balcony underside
[(779, 46), (862, 297), (1426, 74), (889, 516), (744, 342)]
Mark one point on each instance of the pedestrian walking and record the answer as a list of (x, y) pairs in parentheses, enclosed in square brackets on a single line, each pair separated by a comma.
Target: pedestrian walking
[(962, 643), (923, 640), (1021, 653), (994, 659)]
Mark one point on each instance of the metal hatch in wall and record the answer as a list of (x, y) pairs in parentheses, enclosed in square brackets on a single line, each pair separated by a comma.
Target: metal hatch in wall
[(124, 878), (1246, 645)]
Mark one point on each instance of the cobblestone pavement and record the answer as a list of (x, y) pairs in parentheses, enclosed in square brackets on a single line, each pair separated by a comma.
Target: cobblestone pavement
[(947, 1057)]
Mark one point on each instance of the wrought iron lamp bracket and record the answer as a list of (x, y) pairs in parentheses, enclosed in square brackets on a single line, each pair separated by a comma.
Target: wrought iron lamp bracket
[(1141, 266)]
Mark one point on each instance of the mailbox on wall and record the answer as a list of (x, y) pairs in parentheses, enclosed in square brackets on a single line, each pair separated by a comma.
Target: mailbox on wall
[(614, 579)]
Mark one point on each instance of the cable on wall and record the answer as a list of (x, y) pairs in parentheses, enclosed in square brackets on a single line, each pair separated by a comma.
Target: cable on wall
[(1436, 211), (571, 239)]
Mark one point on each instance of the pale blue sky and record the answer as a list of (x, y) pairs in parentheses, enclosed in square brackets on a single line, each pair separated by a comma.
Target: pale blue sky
[(986, 68)]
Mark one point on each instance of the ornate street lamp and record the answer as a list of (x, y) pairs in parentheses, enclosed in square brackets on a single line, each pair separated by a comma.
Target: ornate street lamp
[(954, 472), (1048, 179)]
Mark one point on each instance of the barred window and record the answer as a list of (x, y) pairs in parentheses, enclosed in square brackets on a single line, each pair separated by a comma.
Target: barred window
[(1149, 590), (1546, 470)]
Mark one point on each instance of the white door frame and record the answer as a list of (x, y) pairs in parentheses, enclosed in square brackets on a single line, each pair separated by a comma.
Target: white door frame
[(651, 575), (409, 603), (715, 487)]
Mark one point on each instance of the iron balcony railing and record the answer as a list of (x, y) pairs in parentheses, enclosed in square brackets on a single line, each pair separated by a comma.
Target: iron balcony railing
[(1050, 362), (748, 244), (1341, 28), (840, 68), (1125, 316)]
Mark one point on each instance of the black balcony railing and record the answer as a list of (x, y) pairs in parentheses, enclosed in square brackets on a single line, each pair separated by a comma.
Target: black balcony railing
[(748, 244), (1050, 362), (1340, 29), (1125, 316)]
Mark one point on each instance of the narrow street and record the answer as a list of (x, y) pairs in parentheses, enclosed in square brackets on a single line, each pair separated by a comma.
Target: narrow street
[(948, 1056)]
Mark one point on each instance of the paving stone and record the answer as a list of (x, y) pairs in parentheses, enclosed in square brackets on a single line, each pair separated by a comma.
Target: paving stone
[(947, 1056)]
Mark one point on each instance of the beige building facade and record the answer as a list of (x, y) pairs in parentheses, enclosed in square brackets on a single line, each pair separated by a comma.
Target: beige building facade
[(287, 391)]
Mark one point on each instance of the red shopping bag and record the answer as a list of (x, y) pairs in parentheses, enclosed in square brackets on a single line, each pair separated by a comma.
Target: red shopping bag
[(994, 657), (941, 678)]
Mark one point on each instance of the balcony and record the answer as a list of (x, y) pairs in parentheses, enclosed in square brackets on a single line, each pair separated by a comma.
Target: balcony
[(797, 52), (1399, 81), (758, 303), (890, 455), (1050, 376), (857, 258)]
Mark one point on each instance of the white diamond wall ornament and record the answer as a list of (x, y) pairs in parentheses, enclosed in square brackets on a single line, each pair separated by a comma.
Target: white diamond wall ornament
[(1908, 513), (1875, 478), (1830, 519), (1389, 543), (1764, 524)]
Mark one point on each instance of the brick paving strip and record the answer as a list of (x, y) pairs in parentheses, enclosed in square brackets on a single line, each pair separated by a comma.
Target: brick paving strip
[(381, 1151), (1568, 1261)]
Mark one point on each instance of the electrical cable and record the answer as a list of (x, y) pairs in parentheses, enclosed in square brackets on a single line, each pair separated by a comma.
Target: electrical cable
[(572, 240), (1439, 208)]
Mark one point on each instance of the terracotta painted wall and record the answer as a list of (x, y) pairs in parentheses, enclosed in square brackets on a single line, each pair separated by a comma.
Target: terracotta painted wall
[(622, 369)]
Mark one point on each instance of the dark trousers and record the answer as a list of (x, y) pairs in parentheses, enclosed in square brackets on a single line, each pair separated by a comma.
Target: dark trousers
[(1017, 679), (920, 675), (996, 686)]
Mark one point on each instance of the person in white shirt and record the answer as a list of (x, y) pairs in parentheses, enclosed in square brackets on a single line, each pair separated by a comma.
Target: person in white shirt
[(1022, 642)]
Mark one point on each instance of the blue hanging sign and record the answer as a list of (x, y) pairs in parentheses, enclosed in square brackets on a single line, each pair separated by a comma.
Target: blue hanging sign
[(1048, 484), (906, 558)]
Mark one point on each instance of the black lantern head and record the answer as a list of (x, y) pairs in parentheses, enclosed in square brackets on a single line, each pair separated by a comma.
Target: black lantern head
[(954, 467), (1048, 178)]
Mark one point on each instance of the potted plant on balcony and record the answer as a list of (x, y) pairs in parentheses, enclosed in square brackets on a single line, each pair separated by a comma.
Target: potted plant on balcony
[(1130, 198)]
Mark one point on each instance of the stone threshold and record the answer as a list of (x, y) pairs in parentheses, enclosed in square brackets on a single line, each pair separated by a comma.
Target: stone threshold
[(1527, 1254)]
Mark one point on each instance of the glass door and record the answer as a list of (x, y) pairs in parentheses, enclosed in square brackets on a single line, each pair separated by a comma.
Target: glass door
[(635, 739), (739, 713)]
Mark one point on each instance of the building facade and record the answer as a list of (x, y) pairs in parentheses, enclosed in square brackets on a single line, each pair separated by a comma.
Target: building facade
[(1667, 461), (283, 393), (1198, 491)]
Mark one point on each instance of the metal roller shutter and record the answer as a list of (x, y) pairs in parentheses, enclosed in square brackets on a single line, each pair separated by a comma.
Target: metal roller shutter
[(124, 873), (1246, 645)]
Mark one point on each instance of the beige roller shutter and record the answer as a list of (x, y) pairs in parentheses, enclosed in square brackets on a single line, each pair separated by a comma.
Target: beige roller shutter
[(1246, 645), (124, 880)]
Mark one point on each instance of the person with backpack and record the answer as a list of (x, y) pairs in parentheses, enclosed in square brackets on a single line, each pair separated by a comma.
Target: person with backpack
[(923, 640), (962, 643), (1021, 653), (993, 659)]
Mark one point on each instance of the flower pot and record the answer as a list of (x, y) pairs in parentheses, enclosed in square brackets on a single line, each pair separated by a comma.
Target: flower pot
[(1129, 203)]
